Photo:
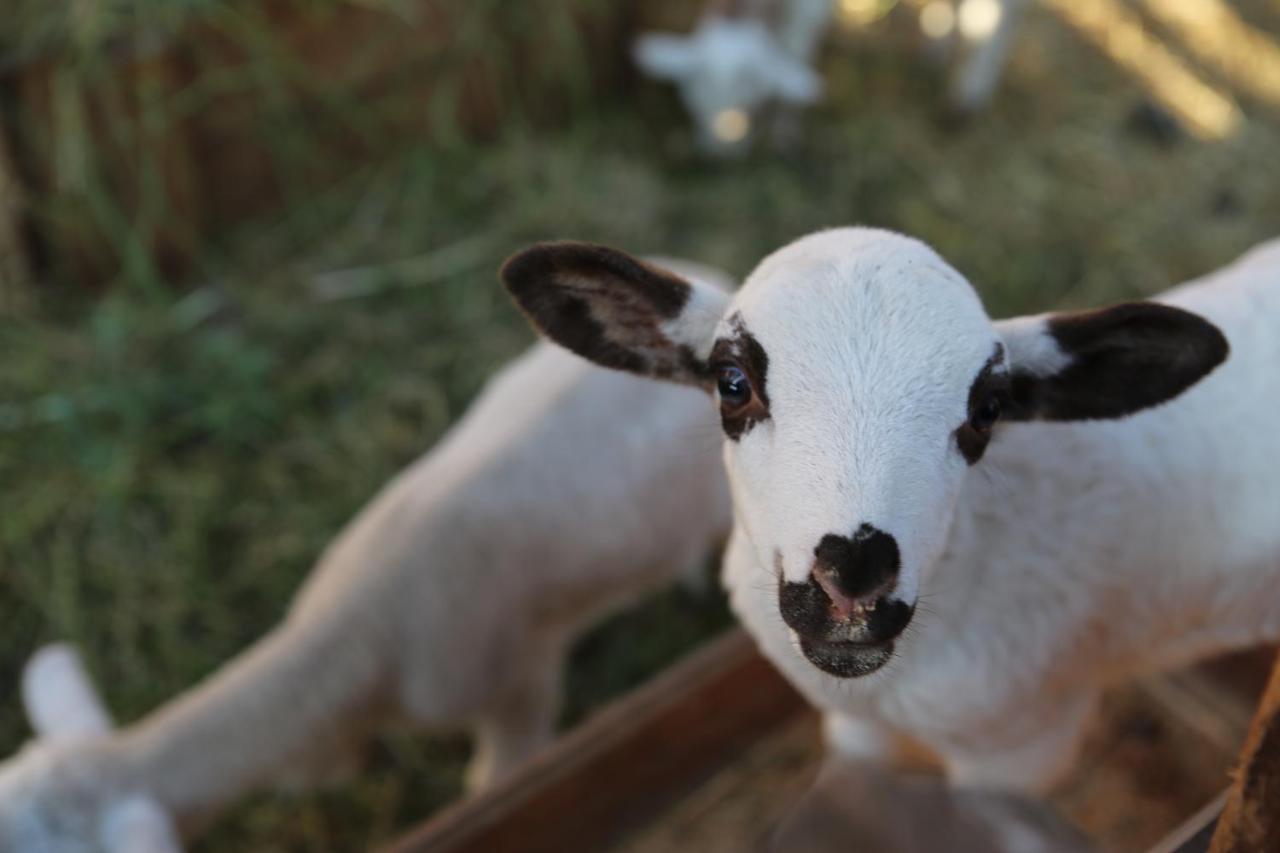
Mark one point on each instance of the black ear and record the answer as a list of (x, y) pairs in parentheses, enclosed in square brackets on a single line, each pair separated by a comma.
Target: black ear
[(1107, 363), (617, 310)]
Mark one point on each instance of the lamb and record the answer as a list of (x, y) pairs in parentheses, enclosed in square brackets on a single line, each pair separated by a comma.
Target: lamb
[(742, 56), (952, 532), (747, 55), (63, 707), (565, 492)]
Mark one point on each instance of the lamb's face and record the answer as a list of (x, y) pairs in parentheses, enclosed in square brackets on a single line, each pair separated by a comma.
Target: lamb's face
[(726, 70), (858, 379)]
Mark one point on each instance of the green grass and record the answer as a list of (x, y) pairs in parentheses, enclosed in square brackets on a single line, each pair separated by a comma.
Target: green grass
[(173, 460)]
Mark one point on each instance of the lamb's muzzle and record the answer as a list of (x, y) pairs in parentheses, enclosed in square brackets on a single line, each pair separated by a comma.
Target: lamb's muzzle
[(843, 617)]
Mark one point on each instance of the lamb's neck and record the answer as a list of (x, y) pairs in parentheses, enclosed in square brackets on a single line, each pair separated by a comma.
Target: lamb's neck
[(1109, 536), (296, 690)]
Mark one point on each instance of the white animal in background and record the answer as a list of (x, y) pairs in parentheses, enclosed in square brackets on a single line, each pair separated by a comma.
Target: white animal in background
[(744, 55), (564, 493), (64, 708), (1068, 498)]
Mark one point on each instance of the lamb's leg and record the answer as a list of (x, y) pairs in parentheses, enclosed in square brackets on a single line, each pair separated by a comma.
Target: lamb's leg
[(978, 72), (1030, 764), (519, 722)]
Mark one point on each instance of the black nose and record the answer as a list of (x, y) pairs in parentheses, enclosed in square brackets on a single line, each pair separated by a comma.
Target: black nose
[(861, 566)]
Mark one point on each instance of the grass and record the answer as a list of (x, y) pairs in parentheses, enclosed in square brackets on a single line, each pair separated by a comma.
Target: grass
[(172, 460)]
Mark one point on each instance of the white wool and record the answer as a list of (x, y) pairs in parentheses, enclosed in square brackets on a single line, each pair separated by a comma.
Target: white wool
[(1072, 555)]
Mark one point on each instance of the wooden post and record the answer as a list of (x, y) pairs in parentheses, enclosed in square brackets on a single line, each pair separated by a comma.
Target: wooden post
[(1250, 822), (15, 268)]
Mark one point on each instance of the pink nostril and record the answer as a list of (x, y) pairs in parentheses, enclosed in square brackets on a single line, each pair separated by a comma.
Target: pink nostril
[(842, 605), (855, 571)]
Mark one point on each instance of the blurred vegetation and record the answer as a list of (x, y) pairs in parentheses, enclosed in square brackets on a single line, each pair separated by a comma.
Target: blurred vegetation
[(174, 452)]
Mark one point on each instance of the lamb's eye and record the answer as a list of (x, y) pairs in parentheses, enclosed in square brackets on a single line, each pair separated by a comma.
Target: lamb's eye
[(734, 387), (984, 417)]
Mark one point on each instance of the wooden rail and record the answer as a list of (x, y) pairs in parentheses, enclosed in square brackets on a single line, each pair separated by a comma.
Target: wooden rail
[(627, 762), (1250, 820)]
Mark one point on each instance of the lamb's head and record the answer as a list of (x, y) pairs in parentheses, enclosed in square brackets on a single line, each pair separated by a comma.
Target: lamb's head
[(726, 70), (859, 380), (64, 796)]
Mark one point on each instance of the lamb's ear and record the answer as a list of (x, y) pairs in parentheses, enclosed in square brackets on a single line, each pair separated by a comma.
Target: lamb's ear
[(1106, 363), (617, 310)]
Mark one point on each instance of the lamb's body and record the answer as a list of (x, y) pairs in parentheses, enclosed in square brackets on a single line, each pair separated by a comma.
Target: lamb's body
[(448, 602), (1080, 553)]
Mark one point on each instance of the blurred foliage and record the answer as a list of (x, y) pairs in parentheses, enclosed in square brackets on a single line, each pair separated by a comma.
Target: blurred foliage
[(33, 28), (146, 126), (174, 454)]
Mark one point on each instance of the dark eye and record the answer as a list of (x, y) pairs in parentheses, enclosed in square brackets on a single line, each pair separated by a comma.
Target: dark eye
[(734, 387), (984, 417)]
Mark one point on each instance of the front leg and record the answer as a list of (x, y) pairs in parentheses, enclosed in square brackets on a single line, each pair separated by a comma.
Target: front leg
[(520, 719), (977, 74)]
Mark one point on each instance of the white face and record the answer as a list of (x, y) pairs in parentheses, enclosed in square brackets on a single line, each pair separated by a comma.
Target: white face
[(858, 379), (873, 345), (857, 374)]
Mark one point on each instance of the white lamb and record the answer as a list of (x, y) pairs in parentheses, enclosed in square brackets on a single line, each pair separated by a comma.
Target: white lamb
[(1124, 517), (744, 56), (565, 492)]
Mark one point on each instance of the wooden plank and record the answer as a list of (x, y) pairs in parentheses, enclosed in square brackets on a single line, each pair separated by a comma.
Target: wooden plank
[(1250, 819), (1193, 835), (15, 263), (743, 803), (627, 762), (133, 153)]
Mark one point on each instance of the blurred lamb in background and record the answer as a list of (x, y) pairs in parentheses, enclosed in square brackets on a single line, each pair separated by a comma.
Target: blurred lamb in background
[(64, 710), (747, 55), (566, 492), (742, 56)]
